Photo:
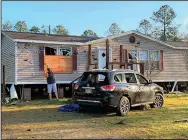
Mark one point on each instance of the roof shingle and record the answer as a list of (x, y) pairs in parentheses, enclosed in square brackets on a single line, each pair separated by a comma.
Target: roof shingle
[(47, 37), (178, 43)]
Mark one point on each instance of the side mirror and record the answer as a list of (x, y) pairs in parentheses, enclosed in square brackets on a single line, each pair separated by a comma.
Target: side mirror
[(150, 81)]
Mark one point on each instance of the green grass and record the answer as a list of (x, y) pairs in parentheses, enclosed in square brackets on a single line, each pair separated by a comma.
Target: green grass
[(40, 119)]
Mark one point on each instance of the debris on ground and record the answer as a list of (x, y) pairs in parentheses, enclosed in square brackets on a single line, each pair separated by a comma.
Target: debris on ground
[(7, 100), (72, 107), (184, 120), (13, 93), (14, 102)]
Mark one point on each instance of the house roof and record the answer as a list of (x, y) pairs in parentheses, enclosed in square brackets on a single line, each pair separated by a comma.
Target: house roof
[(44, 37), (171, 45), (80, 40), (178, 44)]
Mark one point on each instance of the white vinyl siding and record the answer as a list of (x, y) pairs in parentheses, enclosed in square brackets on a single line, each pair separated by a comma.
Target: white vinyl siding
[(8, 59)]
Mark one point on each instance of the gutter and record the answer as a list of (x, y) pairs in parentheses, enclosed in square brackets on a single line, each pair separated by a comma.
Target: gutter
[(47, 42)]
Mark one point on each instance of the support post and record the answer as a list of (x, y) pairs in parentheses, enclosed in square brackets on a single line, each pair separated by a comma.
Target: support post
[(22, 93), (141, 68), (107, 53), (96, 66), (89, 56), (175, 83), (121, 55)]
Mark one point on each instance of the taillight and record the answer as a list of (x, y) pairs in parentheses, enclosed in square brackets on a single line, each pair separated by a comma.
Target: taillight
[(76, 86), (108, 87)]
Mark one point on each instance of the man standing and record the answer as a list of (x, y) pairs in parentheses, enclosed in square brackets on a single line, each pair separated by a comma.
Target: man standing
[(51, 84)]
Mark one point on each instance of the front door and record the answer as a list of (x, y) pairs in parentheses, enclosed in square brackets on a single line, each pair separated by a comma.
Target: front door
[(102, 57)]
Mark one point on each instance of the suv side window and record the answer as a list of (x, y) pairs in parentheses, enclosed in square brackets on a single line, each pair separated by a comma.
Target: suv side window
[(141, 79), (118, 77), (130, 78)]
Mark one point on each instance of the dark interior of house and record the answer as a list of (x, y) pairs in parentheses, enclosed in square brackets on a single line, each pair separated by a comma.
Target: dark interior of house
[(50, 51)]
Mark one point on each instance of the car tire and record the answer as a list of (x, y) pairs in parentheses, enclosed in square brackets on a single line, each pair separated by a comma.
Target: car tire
[(158, 101), (123, 106)]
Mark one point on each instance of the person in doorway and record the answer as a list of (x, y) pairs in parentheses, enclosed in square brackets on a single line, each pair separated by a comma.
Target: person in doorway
[(51, 84)]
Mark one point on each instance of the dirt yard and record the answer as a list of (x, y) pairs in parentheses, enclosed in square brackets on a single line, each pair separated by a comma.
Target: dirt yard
[(40, 119)]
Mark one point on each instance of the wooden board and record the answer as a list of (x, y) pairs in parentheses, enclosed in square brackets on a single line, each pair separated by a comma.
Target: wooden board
[(59, 64)]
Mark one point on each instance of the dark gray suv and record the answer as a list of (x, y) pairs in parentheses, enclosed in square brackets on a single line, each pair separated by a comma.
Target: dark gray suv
[(120, 89)]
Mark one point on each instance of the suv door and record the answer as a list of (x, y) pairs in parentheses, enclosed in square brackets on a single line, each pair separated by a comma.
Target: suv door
[(145, 88), (133, 89)]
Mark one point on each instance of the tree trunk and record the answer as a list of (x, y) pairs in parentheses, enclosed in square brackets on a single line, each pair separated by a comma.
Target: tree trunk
[(164, 31)]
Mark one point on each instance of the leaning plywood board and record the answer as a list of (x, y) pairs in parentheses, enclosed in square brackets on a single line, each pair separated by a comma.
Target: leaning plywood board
[(59, 64)]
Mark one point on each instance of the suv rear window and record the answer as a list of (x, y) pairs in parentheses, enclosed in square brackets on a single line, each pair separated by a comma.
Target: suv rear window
[(95, 77)]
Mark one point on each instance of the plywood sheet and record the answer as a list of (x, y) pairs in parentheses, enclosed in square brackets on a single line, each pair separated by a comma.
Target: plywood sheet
[(59, 64)]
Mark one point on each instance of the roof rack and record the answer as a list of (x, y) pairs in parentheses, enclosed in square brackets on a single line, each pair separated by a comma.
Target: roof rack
[(99, 70), (113, 70)]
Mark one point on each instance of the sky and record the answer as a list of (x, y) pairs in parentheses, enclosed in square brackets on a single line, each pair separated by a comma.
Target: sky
[(77, 16)]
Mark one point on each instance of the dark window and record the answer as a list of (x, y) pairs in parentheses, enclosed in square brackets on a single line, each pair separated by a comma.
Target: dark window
[(130, 78), (141, 79), (118, 77), (94, 78), (50, 51)]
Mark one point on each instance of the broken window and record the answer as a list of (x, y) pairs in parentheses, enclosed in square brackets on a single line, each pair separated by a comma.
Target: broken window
[(50, 51), (63, 51)]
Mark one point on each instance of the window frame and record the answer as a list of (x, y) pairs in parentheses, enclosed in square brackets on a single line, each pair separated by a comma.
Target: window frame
[(158, 54), (123, 77), (148, 53), (134, 76), (58, 50), (159, 59), (140, 53)]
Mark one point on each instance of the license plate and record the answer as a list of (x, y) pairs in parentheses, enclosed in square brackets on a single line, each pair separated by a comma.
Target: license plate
[(88, 91)]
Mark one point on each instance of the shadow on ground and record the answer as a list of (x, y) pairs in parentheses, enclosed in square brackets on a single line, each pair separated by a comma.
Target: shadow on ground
[(46, 114)]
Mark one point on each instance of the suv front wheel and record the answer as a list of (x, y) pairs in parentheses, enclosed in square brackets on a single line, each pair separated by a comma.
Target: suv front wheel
[(158, 101), (123, 106)]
